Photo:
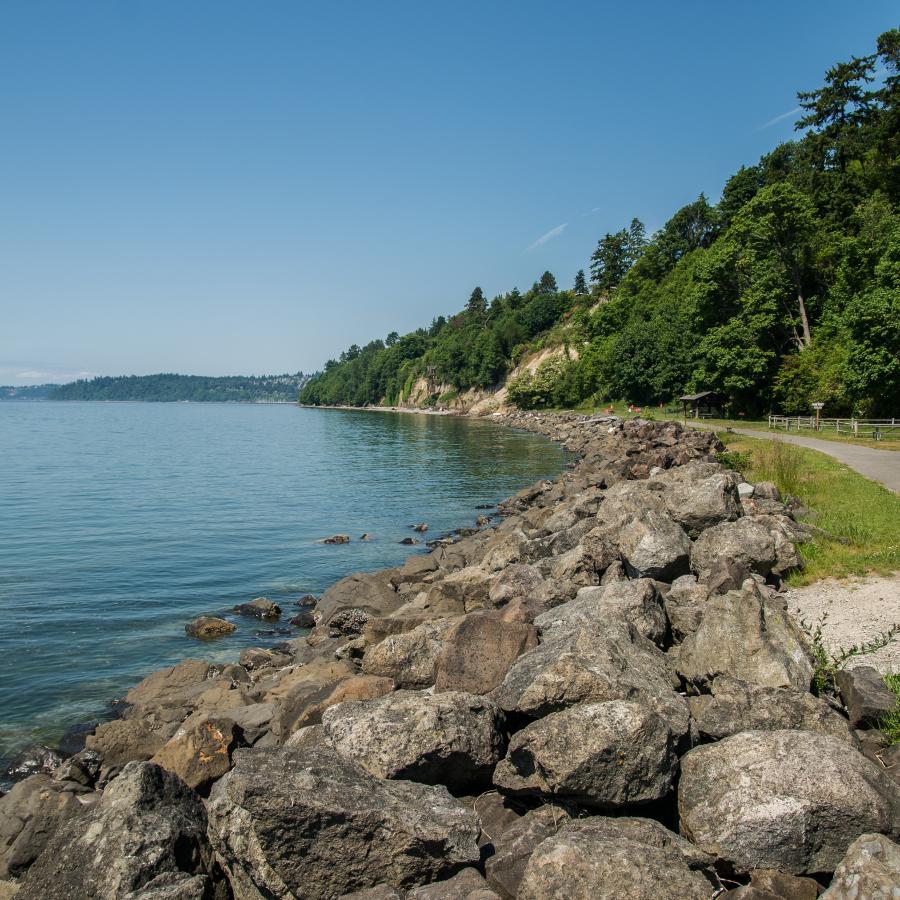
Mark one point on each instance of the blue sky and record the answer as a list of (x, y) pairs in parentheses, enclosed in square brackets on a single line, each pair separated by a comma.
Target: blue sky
[(235, 187)]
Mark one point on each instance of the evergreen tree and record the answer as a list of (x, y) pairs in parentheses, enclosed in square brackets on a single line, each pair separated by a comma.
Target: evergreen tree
[(547, 284), (580, 284), (477, 304)]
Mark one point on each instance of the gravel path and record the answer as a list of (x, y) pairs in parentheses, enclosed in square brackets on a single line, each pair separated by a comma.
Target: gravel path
[(859, 609)]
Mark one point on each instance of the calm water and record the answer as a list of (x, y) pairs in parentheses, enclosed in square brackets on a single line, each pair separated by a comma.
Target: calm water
[(120, 522)]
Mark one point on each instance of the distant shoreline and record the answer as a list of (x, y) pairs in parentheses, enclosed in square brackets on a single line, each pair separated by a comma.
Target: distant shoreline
[(384, 409)]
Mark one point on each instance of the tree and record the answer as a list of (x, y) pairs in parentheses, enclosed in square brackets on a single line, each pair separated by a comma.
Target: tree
[(616, 254), (477, 304), (547, 284), (580, 284), (392, 339)]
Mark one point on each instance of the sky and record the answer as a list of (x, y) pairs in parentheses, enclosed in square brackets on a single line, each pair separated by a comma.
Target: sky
[(239, 187)]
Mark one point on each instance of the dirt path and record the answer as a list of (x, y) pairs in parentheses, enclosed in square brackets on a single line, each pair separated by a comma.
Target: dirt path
[(882, 466), (859, 609)]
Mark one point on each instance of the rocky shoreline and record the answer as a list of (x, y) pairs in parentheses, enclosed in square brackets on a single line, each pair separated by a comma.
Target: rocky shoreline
[(600, 696)]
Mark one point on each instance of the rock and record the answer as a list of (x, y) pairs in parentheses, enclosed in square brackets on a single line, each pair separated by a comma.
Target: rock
[(766, 490), (200, 751), (766, 883), (637, 602), (8, 890), (408, 542), (373, 594), (147, 825), (477, 652), (415, 570), (337, 539), (365, 536), (422, 527), (305, 619), (735, 706), (311, 823), (379, 892), (612, 755), (870, 870), (252, 720), (747, 636), (208, 627), (260, 608), (410, 659), (450, 738), (702, 504), (32, 760), (588, 666), (653, 546), (256, 658), (82, 768), (787, 800), (519, 580), (745, 542), (514, 845), (307, 601), (867, 698), (466, 885), (356, 688), (616, 859), (124, 740), (29, 814)]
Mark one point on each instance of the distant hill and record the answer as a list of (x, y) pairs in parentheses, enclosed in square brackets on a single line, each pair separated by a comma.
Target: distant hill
[(196, 388), (26, 391)]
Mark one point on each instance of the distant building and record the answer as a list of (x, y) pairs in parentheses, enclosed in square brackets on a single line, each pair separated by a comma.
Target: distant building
[(705, 405)]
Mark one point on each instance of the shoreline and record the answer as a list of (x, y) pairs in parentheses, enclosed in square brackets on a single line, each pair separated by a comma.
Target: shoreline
[(590, 595)]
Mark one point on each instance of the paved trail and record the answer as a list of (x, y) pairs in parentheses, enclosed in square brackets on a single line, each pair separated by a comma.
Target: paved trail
[(882, 466)]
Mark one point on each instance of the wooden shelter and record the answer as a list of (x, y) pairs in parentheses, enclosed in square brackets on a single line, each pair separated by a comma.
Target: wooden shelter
[(705, 405)]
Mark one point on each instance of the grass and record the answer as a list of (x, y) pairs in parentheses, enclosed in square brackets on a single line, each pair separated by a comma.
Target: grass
[(890, 724), (890, 441), (864, 517)]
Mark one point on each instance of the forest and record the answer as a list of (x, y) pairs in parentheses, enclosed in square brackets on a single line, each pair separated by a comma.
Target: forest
[(196, 388), (785, 291)]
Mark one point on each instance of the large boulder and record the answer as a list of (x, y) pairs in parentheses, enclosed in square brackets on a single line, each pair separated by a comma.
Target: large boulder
[(148, 829), (200, 751), (592, 666), (735, 706), (700, 504), (29, 814), (514, 582), (867, 698), (206, 627), (452, 738), (409, 658), (744, 542), (477, 652), (788, 800), (373, 594), (747, 635), (311, 823), (465, 885), (613, 755), (637, 602), (616, 859), (653, 546), (870, 869)]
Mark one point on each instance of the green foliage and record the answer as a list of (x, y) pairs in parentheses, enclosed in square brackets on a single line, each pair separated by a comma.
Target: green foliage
[(890, 723), (734, 459), (826, 664), (786, 291), (198, 388)]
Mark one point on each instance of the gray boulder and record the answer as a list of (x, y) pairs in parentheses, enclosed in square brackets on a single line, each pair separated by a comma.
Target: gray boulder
[(867, 698), (374, 594), (749, 636), (637, 602), (612, 755), (311, 823), (735, 706), (616, 859), (466, 885), (744, 542), (698, 505), (410, 658), (514, 582), (788, 800), (870, 870), (514, 845), (653, 546), (450, 738), (148, 827), (591, 666)]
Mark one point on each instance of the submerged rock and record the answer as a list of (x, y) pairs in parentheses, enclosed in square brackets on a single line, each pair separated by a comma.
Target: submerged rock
[(209, 627), (32, 760), (260, 608)]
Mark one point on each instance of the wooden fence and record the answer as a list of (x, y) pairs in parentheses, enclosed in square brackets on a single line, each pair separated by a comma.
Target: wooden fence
[(871, 428)]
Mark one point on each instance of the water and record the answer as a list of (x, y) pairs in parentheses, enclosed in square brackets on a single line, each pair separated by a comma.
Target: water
[(119, 522)]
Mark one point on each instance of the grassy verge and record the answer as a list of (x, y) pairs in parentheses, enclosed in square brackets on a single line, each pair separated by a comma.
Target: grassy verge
[(862, 515)]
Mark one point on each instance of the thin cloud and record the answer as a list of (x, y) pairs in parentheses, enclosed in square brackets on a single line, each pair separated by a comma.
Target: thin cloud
[(591, 211), (781, 118), (552, 233)]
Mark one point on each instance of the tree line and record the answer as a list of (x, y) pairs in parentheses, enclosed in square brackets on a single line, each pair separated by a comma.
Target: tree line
[(785, 291)]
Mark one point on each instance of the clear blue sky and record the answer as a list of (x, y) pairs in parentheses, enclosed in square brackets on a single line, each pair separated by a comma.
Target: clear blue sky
[(235, 187)]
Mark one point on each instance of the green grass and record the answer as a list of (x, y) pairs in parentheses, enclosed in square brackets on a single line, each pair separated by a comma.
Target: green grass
[(862, 515), (890, 724)]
